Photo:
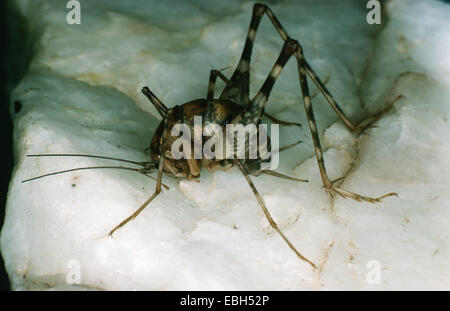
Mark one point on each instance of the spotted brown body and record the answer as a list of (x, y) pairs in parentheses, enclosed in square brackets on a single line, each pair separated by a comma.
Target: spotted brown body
[(219, 112)]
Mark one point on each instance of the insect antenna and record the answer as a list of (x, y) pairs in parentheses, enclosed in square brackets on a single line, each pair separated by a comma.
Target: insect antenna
[(142, 171), (86, 156)]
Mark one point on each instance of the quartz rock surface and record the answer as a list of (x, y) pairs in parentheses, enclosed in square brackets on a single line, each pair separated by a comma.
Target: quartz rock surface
[(82, 95)]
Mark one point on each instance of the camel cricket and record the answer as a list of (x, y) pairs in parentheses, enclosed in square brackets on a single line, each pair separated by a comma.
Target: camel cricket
[(233, 106)]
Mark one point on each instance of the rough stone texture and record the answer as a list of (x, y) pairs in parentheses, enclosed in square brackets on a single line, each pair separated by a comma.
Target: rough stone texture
[(82, 95)]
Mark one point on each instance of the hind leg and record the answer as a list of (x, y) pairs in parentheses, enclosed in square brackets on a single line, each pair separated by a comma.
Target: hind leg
[(238, 88), (303, 70), (255, 110), (212, 83)]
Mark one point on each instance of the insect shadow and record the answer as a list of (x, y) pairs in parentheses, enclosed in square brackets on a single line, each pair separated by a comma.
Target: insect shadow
[(234, 106)]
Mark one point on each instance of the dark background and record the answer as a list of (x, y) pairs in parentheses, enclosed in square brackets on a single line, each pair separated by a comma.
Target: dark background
[(15, 55), (6, 130)]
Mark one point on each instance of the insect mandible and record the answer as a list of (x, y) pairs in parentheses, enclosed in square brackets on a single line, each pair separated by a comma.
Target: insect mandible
[(234, 106)]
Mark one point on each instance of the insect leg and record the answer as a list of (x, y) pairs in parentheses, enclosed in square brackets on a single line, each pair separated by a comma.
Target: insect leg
[(269, 217), (253, 113), (367, 123), (322, 88), (281, 122), (359, 128), (160, 107), (303, 69), (212, 83), (256, 108), (258, 103), (158, 184), (258, 10), (238, 89)]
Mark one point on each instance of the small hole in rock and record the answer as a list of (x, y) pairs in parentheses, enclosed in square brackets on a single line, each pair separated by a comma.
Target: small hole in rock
[(17, 106)]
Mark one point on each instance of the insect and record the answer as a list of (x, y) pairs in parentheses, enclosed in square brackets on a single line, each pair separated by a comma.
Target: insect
[(234, 106)]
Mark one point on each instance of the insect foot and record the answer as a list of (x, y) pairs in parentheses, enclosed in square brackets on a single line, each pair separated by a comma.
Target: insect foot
[(331, 190)]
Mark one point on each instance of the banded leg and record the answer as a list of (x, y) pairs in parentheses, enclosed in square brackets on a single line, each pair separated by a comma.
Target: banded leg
[(322, 88), (210, 96), (292, 47), (157, 189), (287, 123), (212, 83), (208, 114), (254, 112), (303, 69), (238, 88), (271, 221)]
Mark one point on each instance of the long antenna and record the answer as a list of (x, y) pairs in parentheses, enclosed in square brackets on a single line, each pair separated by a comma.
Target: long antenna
[(85, 156), (94, 167)]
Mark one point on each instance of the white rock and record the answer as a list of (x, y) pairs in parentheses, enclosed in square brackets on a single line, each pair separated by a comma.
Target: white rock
[(82, 95)]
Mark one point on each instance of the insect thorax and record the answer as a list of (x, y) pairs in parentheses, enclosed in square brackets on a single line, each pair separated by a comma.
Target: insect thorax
[(202, 120)]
